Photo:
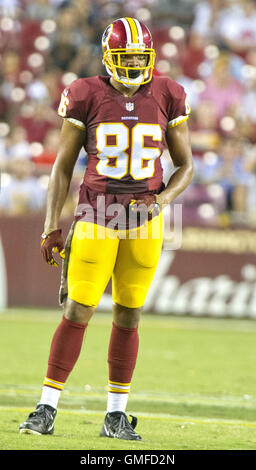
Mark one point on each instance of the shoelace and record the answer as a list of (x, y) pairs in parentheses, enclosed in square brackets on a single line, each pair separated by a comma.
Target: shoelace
[(41, 411)]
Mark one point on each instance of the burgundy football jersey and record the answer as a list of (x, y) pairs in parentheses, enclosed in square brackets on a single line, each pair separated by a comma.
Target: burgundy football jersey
[(124, 137)]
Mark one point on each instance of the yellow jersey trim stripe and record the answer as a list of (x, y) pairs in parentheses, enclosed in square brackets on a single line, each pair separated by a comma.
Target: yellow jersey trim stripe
[(77, 123), (177, 121)]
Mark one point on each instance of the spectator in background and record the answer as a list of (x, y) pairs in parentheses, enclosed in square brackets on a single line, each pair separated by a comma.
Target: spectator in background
[(86, 63), (9, 7), (248, 102), (237, 27), (204, 127), (250, 56), (63, 51), (17, 144), (250, 167), (68, 38), (3, 155), (221, 88), (10, 70), (228, 170), (22, 194), (206, 17), (52, 80), (46, 159), (193, 55), (48, 86), (42, 118), (176, 73), (40, 9)]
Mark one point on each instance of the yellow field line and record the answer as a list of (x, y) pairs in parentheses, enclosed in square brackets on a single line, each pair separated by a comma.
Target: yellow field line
[(186, 420)]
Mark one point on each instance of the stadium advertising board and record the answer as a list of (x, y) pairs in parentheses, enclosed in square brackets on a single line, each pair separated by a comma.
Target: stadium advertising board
[(213, 273)]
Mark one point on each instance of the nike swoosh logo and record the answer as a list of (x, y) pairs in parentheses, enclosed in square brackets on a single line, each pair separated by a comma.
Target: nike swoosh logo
[(106, 430)]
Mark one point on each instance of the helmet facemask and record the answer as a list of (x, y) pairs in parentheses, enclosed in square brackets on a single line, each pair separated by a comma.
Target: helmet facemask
[(129, 76)]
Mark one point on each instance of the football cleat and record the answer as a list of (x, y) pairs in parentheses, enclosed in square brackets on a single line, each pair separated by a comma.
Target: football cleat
[(116, 425), (39, 421), (124, 37)]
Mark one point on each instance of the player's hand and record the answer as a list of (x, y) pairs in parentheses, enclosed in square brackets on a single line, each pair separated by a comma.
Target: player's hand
[(52, 242), (146, 204)]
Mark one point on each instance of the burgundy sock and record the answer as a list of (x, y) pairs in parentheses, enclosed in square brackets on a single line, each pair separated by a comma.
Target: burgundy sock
[(122, 353), (65, 349)]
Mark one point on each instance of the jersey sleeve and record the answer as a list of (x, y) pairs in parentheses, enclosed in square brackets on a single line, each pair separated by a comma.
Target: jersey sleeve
[(72, 105), (178, 109)]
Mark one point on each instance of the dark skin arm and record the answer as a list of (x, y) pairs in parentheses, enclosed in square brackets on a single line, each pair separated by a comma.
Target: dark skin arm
[(71, 141), (178, 141)]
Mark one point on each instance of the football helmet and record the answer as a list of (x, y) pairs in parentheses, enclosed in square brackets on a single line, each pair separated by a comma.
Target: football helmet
[(123, 38)]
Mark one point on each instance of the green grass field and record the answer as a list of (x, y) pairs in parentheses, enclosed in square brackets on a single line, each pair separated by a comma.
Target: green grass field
[(194, 385)]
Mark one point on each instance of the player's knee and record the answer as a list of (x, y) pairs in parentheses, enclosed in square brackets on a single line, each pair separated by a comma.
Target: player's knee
[(126, 317), (132, 297), (76, 312)]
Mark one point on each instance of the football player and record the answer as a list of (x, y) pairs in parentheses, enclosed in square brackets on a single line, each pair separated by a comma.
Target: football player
[(123, 120)]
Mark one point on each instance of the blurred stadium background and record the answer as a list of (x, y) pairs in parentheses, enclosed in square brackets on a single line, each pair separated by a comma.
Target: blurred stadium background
[(210, 48)]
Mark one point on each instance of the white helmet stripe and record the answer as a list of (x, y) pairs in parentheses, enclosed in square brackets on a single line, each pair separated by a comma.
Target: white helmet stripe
[(139, 29), (127, 29)]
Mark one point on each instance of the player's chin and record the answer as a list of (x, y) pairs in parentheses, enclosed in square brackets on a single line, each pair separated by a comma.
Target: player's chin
[(132, 75)]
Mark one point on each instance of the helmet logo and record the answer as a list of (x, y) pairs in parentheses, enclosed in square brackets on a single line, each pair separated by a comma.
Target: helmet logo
[(106, 34), (129, 106)]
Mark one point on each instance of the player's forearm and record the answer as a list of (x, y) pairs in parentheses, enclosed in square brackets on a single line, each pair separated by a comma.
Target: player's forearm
[(176, 185), (56, 196), (178, 141)]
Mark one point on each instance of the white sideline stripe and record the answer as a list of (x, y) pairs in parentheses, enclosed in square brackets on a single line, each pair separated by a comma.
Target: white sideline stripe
[(159, 416), (227, 401)]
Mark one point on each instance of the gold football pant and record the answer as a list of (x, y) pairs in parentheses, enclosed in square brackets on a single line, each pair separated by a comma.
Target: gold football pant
[(131, 258)]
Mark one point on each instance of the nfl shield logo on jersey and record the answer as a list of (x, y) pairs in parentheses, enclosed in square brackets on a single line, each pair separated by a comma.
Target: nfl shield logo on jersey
[(129, 106)]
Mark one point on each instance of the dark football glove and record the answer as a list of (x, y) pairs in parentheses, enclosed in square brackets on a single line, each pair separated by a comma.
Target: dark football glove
[(147, 204), (52, 242)]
